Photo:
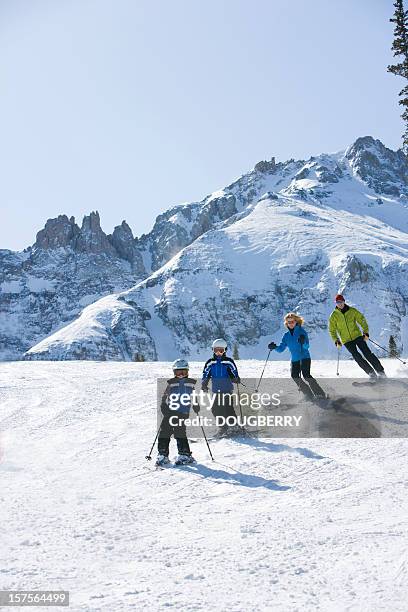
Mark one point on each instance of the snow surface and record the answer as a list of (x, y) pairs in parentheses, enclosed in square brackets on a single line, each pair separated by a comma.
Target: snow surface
[(98, 317), (287, 525)]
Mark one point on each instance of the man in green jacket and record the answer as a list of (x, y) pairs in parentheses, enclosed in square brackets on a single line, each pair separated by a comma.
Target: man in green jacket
[(348, 326)]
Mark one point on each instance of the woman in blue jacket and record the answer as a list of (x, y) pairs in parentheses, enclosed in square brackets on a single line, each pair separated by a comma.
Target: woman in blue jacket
[(297, 341)]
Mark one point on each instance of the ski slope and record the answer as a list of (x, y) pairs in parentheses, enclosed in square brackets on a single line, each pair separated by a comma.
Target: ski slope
[(282, 525)]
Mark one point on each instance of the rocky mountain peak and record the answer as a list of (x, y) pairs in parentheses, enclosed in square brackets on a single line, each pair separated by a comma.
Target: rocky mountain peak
[(58, 232), (124, 244), (92, 238), (91, 222), (89, 238), (383, 170), (124, 231), (68, 267), (266, 167)]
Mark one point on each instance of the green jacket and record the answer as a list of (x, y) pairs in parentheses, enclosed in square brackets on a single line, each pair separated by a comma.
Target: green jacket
[(345, 324)]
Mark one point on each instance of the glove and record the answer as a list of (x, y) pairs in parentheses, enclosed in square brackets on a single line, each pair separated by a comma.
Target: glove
[(236, 380), (204, 386), (196, 408), (272, 346), (366, 335), (302, 339), (338, 343)]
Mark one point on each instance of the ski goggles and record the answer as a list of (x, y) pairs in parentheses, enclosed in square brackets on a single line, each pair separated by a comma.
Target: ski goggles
[(219, 349), (180, 373)]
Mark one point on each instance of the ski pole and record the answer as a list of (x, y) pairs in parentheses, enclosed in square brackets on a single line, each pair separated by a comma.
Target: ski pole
[(387, 351), (206, 441), (248, 433), (149, 456), (239, 403), (338, 361), (259, 381), (301, 360), (196, 409), (240, 409)]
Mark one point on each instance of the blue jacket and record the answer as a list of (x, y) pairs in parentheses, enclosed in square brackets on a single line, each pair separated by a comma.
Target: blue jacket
[(172, 401), (291, 341), (222, 370)]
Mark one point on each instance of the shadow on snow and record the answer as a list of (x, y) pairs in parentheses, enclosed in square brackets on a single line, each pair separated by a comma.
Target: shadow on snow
[(237, 478), (279, 448)]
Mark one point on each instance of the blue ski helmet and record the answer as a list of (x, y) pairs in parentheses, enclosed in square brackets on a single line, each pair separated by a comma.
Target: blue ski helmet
[(180, 364)]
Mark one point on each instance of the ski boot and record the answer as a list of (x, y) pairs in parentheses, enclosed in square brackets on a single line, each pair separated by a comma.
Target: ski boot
[(162, 460), (222, 432), (236, 430), (184, 460)]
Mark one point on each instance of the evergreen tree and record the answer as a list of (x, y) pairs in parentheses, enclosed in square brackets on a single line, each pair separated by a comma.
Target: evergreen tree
[(235, 353), (392, 347), (400, 48)]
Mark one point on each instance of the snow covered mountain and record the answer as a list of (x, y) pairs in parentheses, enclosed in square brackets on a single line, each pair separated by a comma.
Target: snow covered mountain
[(47, 285), (285, 236)]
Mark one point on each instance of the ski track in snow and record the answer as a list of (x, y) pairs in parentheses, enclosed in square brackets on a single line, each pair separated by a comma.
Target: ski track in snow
[(272, 524)]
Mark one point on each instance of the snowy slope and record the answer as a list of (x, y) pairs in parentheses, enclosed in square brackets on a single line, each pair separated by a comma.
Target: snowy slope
[(283, 525), (325, 230)]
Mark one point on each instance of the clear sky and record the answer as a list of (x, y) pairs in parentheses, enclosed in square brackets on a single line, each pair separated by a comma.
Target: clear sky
[(131, 106)]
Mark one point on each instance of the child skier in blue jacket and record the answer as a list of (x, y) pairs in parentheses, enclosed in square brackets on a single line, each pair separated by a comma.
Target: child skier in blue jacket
[(297, 341), (223, 372)]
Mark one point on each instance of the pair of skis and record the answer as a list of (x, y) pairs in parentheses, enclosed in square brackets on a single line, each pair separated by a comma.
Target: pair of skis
[(170, 464), (368, 383)]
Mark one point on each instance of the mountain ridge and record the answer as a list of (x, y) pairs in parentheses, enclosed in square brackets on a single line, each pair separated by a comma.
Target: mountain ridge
[(293, 207)]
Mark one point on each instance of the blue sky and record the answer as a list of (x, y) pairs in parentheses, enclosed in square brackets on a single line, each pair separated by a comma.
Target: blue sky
[(131, 106)]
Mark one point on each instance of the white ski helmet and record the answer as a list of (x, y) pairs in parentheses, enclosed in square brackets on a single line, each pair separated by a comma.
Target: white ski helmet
[(219, 343), (180, 364)]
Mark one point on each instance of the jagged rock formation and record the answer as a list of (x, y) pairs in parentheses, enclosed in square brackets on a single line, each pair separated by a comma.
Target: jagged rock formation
[(67, 268), (59, 232), (383, 170)]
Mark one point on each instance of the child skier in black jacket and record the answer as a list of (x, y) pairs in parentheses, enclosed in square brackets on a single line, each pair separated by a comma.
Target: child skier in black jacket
[(175, 408)]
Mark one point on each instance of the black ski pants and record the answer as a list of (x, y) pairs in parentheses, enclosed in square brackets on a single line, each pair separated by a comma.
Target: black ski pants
[(299, 368), (223, 405), (370, 358), (178, 431)]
